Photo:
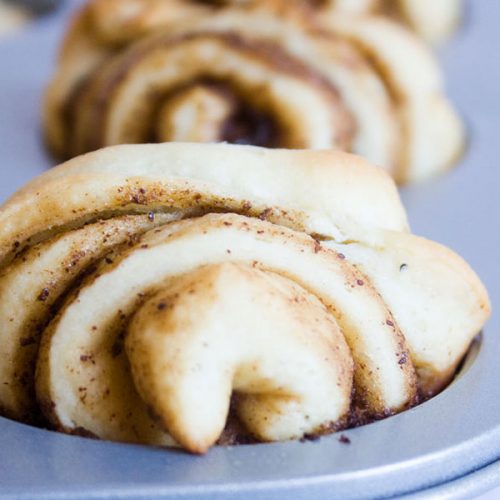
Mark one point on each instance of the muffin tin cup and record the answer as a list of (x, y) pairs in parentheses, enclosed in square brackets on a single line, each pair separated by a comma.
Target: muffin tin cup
[(446, 446)]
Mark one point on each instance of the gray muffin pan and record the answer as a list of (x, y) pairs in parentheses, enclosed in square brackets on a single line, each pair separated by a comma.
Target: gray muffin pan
[(445, 448)]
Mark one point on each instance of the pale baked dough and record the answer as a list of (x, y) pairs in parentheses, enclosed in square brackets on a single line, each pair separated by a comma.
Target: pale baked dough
[(255, 333), (32, 286), (288, 277)]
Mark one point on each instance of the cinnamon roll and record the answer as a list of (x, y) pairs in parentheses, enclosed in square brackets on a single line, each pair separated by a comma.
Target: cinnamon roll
[(246, 76), (175, 288)]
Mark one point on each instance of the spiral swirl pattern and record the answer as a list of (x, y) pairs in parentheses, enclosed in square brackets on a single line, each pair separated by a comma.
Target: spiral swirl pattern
[(174, 285), (248, 75)]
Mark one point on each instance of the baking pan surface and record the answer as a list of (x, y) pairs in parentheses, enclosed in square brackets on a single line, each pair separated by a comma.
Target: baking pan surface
[(445, 439)]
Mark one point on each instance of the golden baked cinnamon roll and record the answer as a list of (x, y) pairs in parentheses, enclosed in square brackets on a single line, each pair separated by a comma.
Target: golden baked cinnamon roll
[(174, 288), (246, 76)]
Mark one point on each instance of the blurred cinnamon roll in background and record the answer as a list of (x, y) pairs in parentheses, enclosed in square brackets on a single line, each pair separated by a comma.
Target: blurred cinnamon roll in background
[(120, 20), (14, 14), (12, 18), (435, 21), (271, 74)]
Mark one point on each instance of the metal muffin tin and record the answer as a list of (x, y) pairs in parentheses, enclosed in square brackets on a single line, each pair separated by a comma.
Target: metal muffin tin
[(447, 447)]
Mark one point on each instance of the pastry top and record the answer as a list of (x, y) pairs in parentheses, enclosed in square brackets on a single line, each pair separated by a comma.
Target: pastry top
[(321, 192)]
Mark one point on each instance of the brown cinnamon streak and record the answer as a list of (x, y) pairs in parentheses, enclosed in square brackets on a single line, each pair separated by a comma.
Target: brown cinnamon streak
[(247, 125)]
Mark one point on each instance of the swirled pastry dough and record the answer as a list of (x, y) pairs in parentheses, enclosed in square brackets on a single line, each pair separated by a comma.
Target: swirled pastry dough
[(172, 282), (258, 74)]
